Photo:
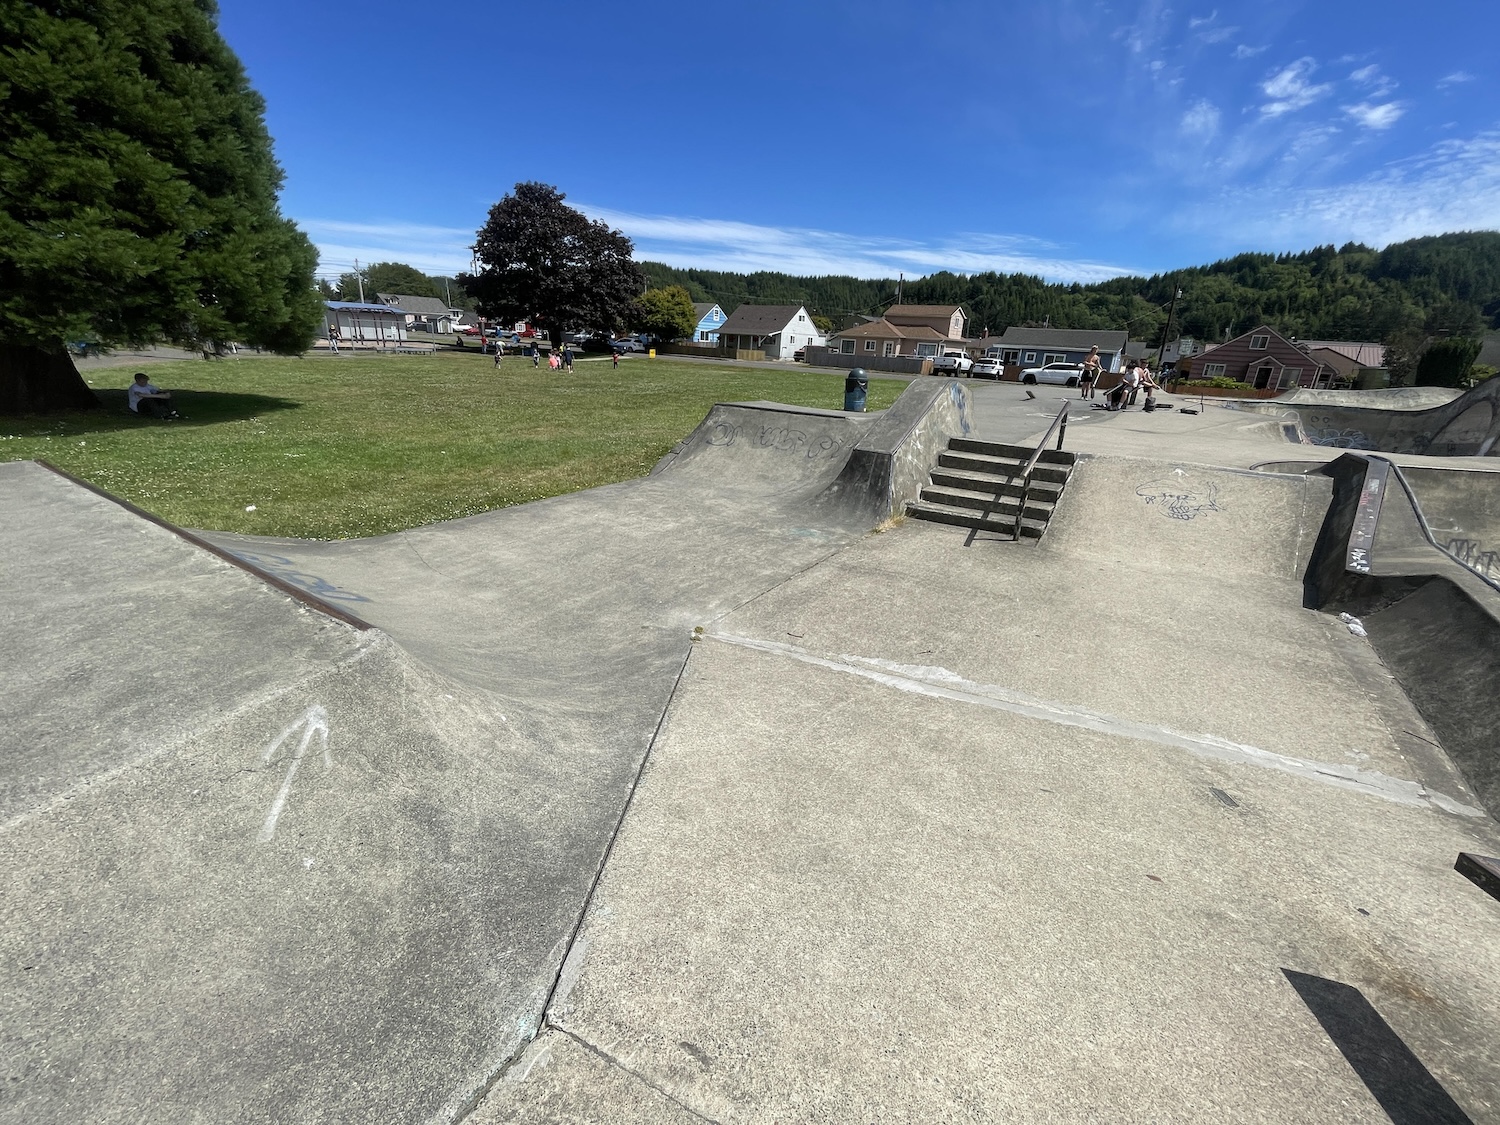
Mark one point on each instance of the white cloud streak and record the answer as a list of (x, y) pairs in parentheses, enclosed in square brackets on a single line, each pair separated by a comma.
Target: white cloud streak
[(724, 244), (1290, 90), (1455, 185), (1245, 51), (1201, 119), (432, 249), (1457, 78), (1375, 116)]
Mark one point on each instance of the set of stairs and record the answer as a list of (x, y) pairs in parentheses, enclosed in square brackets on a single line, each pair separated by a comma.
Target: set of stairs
[(977, 484)]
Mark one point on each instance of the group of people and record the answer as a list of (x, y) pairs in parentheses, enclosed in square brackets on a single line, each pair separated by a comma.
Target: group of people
[(555, 361), (1133, 380)]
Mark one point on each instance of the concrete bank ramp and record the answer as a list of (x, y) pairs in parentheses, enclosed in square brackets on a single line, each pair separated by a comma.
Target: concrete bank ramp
[(1384, 398), (259, 864), (1465, 426)]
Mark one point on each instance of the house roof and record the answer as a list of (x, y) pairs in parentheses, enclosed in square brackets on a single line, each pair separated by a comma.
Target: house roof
[(885, 330), (420, 306), (760, 320), (1363, 354), (927, 312), (361, 306), (1069, 339), (1331, 357), (703, 308)]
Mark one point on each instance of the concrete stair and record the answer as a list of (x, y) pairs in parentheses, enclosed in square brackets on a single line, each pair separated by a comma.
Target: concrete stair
[(977, 484)]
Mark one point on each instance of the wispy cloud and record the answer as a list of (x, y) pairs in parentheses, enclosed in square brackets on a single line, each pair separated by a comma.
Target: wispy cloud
[(1455, 185), (1457, 78), (1245, 51), (1375, 116), (728, 245), (1290, 90), (1377, 84), (436, 250), (1201, 119), (1207, 29)]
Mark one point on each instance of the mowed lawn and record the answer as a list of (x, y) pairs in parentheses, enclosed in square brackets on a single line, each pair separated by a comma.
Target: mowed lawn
[(362, 445)]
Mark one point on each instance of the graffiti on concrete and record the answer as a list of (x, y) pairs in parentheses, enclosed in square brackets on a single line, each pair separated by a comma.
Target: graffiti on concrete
[(286, 570), (1181, 496), (1472, 554), (1338, 438), (782, 439)]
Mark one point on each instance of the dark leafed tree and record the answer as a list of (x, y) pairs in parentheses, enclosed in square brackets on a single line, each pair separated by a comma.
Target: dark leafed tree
[(137, 195), (1446, 362), (545, 262), (388, 277)]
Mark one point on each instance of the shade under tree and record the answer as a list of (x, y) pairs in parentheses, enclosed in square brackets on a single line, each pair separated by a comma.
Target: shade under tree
[(138, 196)]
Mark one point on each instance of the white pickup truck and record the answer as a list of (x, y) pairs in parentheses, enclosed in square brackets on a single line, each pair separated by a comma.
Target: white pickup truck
[(952, 363)]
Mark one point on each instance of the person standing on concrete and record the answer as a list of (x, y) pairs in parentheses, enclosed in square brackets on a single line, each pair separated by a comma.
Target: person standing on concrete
[(1090, 374), (333, 339)]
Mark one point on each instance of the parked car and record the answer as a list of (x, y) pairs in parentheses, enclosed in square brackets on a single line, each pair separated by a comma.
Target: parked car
[(987, 369), (1065, 374), (467, 329), (799, 356), (627, 345), (952, 363)]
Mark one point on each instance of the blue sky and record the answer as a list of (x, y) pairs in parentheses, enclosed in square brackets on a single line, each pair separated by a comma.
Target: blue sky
[(1076, 139)]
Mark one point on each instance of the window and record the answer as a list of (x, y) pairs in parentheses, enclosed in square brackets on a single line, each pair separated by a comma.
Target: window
[(927, 351), (1258, 343), (846, 347), (800, 317), (1291, 376), (1031, 357), (1054, 357), (869, 345), (1212, 370), (890, 347), (1008, 356)]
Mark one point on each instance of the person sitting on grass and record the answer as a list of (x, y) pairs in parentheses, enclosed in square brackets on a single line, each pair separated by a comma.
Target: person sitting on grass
[(144, 398)]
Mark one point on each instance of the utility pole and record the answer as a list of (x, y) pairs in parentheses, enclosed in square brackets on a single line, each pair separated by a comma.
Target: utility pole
[(1167, 331), (900, 281), (359, 277)]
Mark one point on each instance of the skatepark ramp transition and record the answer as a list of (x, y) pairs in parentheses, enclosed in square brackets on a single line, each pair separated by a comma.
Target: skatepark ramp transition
[(1414, 553), (1393, 422)]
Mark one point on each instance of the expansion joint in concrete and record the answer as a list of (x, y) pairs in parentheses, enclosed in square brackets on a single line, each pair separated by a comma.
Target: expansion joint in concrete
[(475, 1099), (610, 1060)]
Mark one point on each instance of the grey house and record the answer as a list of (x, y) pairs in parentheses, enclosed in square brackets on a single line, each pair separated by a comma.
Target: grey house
[(425, 314), (1035, 347)]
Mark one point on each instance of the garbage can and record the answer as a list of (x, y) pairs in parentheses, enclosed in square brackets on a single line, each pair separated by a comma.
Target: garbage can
[(856, 386)]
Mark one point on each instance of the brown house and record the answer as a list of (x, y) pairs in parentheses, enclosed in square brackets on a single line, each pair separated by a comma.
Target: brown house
[(946, 320), (884, 339), (1263, 358)]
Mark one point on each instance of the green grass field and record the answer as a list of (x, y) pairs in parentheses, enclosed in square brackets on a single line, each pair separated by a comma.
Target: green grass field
[(339, 448)]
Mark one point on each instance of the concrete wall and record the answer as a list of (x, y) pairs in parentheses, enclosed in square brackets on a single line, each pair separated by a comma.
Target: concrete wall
[(901, 364)]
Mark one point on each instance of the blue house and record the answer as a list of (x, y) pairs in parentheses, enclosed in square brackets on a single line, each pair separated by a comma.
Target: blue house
[(710, 316)]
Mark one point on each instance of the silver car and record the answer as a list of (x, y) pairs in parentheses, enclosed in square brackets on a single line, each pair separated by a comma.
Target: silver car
[(1065, 374)]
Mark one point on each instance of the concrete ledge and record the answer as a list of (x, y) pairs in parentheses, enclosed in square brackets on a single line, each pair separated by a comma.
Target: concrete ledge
[(892, 462)]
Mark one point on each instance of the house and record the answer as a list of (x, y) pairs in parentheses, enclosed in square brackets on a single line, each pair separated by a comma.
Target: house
[(1265, 359), (948, 321), (881, 338), (1358, 353), (768, 331), (364, 323), (425, 314), (710, 317), (1036, 347)]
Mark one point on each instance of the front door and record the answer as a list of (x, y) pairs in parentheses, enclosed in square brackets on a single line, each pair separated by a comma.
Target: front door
[(1262, 376)]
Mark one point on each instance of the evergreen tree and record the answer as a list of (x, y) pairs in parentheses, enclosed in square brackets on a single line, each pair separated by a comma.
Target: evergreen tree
[(137, 195)]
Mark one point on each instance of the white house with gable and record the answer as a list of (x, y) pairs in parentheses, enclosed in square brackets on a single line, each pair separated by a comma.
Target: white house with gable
[(772, 331)]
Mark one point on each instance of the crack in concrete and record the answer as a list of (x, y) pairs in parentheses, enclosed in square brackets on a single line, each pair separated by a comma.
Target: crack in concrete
[(610, 1060)]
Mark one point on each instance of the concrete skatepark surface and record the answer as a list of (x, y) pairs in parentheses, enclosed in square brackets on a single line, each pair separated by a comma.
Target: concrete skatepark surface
[(924, 830)]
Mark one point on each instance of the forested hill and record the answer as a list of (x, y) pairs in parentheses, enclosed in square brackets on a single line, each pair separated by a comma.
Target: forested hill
[(1448, 282)]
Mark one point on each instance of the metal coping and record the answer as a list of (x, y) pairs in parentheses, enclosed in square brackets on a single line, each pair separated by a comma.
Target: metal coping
[(307, 599), (1422, 523)]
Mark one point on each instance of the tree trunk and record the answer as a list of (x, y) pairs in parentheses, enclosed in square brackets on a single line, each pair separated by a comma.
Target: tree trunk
[(37, 381)]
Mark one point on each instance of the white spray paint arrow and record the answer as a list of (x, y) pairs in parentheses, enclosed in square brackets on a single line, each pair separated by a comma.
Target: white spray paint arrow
[(313, 724)]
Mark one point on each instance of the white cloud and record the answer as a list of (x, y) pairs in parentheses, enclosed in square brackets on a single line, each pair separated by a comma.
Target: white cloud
[(1245, 51), (1203, 21), (746, 247), (1372, 80), (435, 250), (1458, 77), (1201, 119), (1455, 185), (1376, 116), (1290, 90)]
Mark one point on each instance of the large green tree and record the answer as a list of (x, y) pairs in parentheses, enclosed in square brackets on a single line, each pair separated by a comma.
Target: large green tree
[(665, 313), (545, 262), (137, 195), (1446, 362), (387, 277)]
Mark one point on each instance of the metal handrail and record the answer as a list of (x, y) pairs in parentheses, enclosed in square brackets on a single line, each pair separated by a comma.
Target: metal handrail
[(1423, 525), (1060, 423)]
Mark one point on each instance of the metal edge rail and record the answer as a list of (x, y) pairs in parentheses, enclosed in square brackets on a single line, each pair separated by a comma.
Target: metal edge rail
[(1416, 507), (1060, 423)]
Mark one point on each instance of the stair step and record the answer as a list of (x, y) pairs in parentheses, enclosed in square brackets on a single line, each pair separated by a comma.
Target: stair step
[(967, 517), (1018, 452), (1000, 466), (980, 501), (1048, 491)]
